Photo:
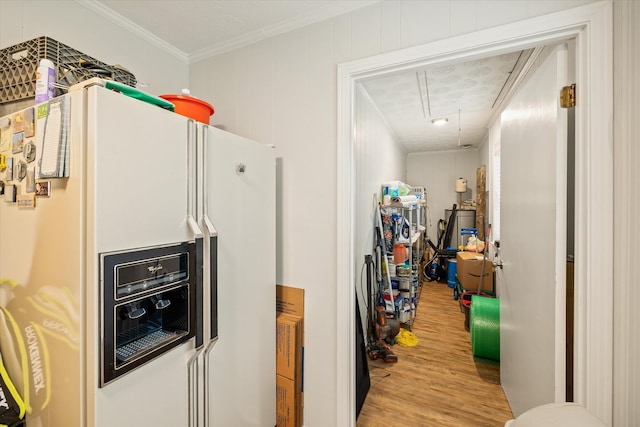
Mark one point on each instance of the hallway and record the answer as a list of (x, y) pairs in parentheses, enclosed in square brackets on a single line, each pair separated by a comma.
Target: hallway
[(437, 383)]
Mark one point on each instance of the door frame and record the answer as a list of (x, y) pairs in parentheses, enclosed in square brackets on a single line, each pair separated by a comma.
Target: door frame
[(591, 27)]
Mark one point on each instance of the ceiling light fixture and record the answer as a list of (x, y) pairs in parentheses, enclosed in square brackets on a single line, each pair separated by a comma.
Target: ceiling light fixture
[(440, 121), (423, 90), (458, 127), (465, 146)]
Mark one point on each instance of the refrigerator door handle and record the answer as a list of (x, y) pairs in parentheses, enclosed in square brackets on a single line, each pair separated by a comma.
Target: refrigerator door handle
[(213, 237), (192, 193), (193, 398), (213, 314), (199, 241), (213, 278), (192, 364), (213, 275), (207, 381)]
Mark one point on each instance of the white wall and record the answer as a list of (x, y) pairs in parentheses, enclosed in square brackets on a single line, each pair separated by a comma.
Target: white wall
[(282, 91), (626, 133), (79, 28), (380, 159), (437, 172)]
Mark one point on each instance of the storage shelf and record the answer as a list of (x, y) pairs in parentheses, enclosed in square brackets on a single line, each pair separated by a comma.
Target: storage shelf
[(415, 246)]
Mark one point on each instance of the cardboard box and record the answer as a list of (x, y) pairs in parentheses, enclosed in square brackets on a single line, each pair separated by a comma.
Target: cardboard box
[(288, 403), (469, 268), (289, 346), (290, 300), (290, 308)]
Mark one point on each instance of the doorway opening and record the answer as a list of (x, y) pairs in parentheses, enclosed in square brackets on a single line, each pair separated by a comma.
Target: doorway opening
[(591, 27)]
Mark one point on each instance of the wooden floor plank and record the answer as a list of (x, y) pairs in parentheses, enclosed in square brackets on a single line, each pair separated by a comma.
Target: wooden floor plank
[(437, 383)]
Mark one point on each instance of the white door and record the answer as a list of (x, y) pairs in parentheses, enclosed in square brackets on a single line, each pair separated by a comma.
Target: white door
[(531, 283), (241, 180)]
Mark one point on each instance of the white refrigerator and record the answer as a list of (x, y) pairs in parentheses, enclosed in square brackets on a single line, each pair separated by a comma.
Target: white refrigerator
[(137, 266)]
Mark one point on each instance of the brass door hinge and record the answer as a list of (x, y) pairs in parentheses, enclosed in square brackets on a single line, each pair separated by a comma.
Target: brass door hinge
[(568, 96)]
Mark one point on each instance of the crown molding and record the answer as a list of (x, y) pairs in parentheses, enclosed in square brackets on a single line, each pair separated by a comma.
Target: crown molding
[(121, 21), (226, 46), (314, 16)]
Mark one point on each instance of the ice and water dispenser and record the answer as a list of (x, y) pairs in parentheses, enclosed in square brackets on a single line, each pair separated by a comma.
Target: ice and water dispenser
[(148, 306)]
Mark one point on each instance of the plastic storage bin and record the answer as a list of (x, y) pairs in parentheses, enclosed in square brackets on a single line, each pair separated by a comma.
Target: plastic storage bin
[(18, 64), (452, 272)]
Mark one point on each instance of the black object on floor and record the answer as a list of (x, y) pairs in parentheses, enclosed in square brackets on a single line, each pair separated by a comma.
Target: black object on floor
[(363, 381), (436, 267)]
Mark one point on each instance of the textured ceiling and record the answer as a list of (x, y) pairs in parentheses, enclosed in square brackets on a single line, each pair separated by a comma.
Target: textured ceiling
[(465, 93), (197, 29)]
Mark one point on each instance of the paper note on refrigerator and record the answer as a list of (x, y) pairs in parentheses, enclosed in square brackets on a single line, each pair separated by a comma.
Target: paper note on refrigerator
[(53, 140)]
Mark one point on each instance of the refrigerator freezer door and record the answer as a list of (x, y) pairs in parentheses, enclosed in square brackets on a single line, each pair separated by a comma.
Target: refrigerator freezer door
[(137, 185), (138, 177), (241, 201), (127, 189)]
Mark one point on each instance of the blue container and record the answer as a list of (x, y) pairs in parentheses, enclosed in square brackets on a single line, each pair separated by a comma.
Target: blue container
[(452, 269)]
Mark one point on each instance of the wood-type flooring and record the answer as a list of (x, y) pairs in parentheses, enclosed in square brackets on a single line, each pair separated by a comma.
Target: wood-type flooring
[(437, 383)]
